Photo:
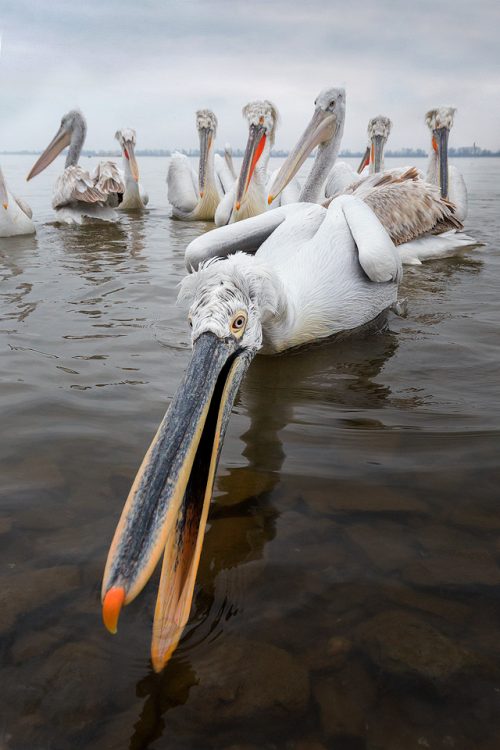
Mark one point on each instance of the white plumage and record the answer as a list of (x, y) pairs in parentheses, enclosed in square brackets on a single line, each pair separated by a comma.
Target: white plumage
[(15, 214), (135, 198)]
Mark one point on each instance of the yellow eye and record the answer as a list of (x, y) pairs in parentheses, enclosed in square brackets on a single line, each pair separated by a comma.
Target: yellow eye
[(238, 324)]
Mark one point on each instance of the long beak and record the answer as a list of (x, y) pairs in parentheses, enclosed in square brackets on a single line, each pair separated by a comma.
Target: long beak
[(377, 152), (365, 160), (165, 509), (253, 152), (57, 144), (4, 198), (440, 143), (320, 129), (129, 153), (205, 145)]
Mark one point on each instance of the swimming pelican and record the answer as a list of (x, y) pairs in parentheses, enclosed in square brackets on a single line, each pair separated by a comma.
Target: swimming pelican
[(196, 197), (439, 172), (408, 207), (15, 214), (134, 197), (321, 272), (248, 196), (78, 194), (342, 174)]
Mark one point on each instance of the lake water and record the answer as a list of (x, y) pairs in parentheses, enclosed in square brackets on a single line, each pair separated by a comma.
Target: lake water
[(349, 589)]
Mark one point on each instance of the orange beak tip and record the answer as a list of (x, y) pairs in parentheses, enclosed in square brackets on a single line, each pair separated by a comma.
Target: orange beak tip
[(270, 199), (111, 607), (202, 193), (5, 205), (237, 206)]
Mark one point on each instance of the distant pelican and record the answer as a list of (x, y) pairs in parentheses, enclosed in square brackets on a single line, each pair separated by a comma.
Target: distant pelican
[(321, 272), (248, 196), (15, 214), (134, 197), (195, 197), (408, 207), (439, 172), (78, 194), (342, 174)]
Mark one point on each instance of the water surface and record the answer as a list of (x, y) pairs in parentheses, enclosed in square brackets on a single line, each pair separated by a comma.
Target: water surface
[(348, 594)]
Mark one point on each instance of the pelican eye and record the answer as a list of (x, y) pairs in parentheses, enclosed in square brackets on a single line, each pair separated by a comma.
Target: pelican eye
[(190, 321), (238, 324)]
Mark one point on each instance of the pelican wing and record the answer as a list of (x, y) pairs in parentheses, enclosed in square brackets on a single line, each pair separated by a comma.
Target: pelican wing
[(407, 206), (108, 178), (246, 236), (340, 177), (182, 184), (75, 184)]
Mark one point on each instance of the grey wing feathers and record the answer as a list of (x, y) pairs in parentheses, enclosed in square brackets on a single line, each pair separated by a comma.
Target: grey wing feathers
[(406, 205), (75, 184), (108, 179)]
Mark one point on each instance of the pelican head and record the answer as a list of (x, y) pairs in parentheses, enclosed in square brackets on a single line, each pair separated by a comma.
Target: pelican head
[(440, 122), (127, 140), (326, 123), (4, 197), (206, 123), (167, 506), (262, 119), (379, 129), (72, 131)]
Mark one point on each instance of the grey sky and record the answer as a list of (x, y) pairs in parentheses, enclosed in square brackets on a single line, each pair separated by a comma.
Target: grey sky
[(151, 64)]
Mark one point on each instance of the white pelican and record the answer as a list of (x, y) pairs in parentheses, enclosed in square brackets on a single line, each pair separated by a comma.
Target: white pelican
[(78, 194), (15, 214), (134, 197), (439, 172), (248, 196), (342, 174), (196, 197), (408, 207), (321, 272)]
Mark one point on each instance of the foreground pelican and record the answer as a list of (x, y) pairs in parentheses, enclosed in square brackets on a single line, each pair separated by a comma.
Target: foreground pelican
[(439, 172), (15, 214), (412, 210), (77, 194), (320, 272), (196, 197), (134, 197), (248, 196)]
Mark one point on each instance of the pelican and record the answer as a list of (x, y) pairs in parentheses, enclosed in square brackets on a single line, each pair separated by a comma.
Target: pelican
[(196, 197), (321, 272), (134, 197), (15, 214), (78, 194), (342, 174), (408, 207), (248, 196), (439, 172)]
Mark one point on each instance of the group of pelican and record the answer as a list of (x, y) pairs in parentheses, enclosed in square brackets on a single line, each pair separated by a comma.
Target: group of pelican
[(79, 195), (285, 266), (329, 262)]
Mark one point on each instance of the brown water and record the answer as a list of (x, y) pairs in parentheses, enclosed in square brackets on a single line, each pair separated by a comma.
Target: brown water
[(348, 594)]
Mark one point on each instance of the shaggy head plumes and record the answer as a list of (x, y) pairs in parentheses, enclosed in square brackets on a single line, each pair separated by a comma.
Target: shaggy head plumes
[(205, 119), (441, 117), (222, 289), (126, 135), (262, 113), (379, 125)]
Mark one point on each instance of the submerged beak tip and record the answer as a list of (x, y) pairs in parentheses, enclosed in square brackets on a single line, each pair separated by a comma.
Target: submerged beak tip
[(111, 607)]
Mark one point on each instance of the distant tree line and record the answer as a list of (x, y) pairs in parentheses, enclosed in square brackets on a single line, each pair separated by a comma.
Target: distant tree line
[(413, 153)]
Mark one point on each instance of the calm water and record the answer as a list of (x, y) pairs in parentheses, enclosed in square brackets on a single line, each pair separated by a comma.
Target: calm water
[(348, 594)]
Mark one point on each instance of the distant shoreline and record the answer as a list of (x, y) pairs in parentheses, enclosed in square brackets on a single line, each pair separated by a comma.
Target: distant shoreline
[(467, 153)]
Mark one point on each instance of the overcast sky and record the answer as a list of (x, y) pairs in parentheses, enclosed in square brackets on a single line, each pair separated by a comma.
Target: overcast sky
[(149, 64)]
